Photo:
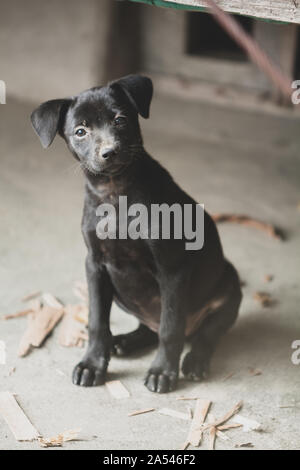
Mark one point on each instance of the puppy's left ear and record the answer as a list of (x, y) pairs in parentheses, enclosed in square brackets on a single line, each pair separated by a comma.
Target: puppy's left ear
[(139, 90), (47, 119)]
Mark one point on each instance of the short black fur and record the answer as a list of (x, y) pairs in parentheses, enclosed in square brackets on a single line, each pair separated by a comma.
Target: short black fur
[(175, 293)]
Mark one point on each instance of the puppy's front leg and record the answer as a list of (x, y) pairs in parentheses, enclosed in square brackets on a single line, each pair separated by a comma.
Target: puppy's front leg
[(163, 373), (92, 369)]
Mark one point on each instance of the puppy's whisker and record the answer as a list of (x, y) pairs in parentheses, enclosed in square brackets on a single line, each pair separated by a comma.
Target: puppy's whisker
[(73, 168)]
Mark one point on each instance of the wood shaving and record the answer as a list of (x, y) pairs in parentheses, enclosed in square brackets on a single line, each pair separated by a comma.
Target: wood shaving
[(250, 222), (187, 398), (80, 289), (82, 314), (225, 427), (33, 306), (40, 325), (31, 296), (264, 299), (228, 376), (21, 313), (254, 372), (16, 419), (226, 417), (212, 437), (71, 332), (247, 444), (141, 412), (195, 434), (11, 371), (58, 441)]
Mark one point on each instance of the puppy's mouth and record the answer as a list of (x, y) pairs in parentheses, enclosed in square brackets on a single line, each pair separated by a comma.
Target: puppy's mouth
[(112, 168)]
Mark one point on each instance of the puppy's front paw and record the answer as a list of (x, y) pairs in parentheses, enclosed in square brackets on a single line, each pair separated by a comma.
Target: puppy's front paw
[(161, 381), (87, 374), (195, 368)]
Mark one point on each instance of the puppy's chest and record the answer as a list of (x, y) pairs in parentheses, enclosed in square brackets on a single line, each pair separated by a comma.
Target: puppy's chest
[(107, 229)]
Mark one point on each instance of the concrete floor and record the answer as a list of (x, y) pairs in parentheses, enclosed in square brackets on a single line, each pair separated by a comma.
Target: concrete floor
[(229, 160)]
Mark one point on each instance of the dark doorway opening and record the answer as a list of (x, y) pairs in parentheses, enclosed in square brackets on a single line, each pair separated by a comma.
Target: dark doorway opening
[(205, 38)]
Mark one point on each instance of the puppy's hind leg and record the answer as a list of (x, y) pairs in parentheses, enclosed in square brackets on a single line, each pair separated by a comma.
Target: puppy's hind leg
[(134, 341), (195, 364)]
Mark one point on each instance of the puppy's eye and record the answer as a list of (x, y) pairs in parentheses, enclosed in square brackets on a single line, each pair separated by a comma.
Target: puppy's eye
[(81, 132), (119, 120)]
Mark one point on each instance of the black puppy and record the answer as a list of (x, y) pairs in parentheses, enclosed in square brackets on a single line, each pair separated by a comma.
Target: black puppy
[(174, 292)]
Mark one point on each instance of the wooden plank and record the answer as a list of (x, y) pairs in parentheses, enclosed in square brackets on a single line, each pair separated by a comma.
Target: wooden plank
[(16, 419), (277, 10), (201, 410)]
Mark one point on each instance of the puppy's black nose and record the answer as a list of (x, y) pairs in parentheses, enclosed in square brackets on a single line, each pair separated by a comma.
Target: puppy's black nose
[(108, 153)]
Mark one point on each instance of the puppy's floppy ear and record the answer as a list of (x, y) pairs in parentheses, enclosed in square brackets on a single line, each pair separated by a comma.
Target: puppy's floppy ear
[(139, 90), (46, 119)]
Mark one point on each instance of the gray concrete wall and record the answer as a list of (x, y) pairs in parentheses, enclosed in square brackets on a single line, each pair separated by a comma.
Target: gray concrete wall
[(53, 48)]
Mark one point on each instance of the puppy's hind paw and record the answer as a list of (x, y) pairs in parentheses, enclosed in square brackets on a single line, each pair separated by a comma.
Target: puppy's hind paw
[(87, 375), (161, 381), (194, 368)]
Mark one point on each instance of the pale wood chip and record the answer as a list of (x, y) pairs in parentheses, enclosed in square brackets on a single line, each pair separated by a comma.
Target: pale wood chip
[(225, 427), (57, 441), (21, 313), (16, 419), (31, 296), (80, 289), (82, 314), (141, 412), (247, 444), (264, 299), (174, 413), (40, 325), (71, 332), (228, 376), (33, 306), (187, 398), (195, 434), (212, 437), (254, 372), (117, 389), (251, 222), (12, 371)]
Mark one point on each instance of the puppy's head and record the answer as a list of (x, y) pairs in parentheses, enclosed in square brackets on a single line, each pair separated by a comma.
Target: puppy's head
[(99, 125)]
